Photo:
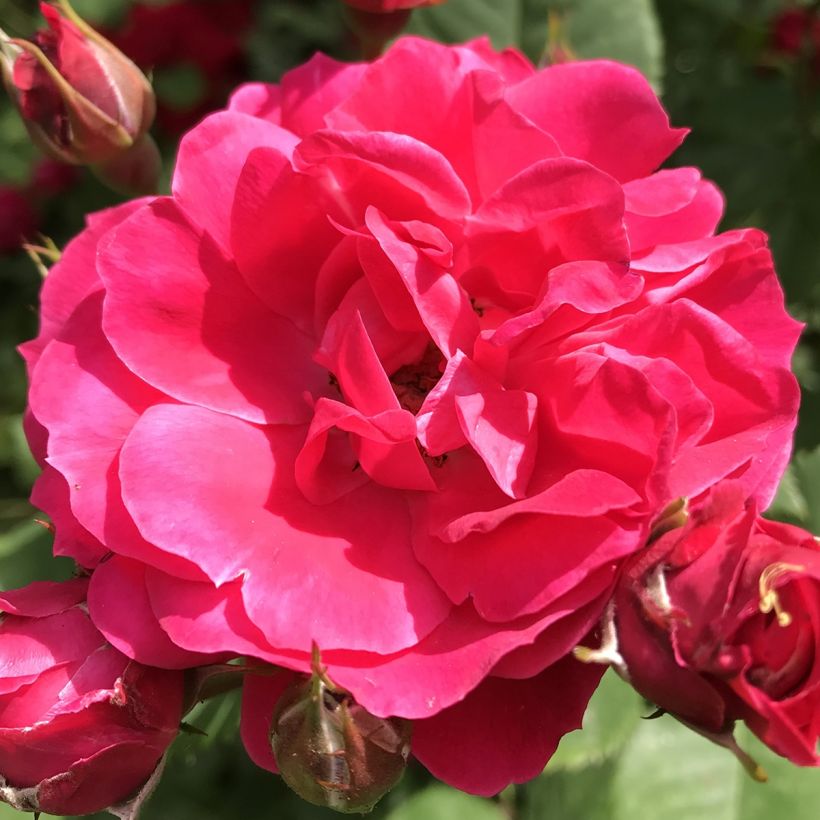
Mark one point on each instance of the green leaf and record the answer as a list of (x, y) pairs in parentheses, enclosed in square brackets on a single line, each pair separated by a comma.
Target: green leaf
[(791, 792), (806, 468), (181, 87), (626, 30), (458, 20), (439, 802), (582, 794), (669, 771), (789, 504), (102, 13)]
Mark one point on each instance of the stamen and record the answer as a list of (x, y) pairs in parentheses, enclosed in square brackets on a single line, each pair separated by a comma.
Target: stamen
[(608, 652), (657, 591), (769, 599), (674, 515)]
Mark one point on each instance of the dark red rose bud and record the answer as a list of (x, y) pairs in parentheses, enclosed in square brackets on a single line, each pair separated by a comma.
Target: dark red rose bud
[(719, 621), (83, 101), (331, 751)]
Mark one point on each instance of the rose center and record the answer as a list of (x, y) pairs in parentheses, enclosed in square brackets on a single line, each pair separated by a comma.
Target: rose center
[(412, 382)]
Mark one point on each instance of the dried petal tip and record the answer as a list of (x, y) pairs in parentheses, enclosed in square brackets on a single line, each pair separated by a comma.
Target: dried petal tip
[(331, 751)]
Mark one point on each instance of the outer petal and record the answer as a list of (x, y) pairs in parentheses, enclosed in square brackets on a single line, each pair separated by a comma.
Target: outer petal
[(505, 731), (460, 653), (451, 661), (183, 292), (74, 277), (89, 401), (43, 598), (671, 206), (261, 100), (134, 629), (210, 160), (51, 495), (603, 112), (471, 117), (311, 91), (195, 481)]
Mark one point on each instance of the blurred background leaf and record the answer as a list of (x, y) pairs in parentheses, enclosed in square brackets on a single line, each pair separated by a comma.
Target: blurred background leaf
[(627, 30)]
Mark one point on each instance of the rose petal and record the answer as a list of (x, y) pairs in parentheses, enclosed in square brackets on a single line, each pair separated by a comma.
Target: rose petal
[(505, 731), (134, 630), (220, 330), (603, 112), (195, 480), (210, 160)]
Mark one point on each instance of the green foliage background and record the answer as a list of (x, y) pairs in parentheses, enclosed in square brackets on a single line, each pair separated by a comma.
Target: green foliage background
[(755, 119)]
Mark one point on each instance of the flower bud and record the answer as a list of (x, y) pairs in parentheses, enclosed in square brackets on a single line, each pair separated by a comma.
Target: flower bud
[(82, 727), (331, 751), (82, 100), (715, 622)]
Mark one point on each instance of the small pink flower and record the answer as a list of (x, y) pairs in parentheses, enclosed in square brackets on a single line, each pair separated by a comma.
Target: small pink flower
[(82, 726), (406, 365)]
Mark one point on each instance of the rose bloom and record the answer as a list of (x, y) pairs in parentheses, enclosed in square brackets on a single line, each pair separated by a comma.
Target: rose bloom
[(720, 621), (81, 725), (406, 365)]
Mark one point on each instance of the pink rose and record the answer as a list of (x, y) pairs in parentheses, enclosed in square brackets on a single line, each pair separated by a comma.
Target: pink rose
[(406, 365), (719, 622), (81, 725)]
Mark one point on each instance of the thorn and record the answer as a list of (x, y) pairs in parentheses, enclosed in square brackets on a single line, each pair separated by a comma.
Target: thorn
[(190, 729)]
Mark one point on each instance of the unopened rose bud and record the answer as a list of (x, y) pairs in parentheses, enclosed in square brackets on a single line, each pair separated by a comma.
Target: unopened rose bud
[(82, 100), (331, 751)]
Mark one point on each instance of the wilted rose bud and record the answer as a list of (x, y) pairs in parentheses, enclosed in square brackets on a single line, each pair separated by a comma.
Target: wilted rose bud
[(82, 100), (331, 751), (717, 621), (82, 726)]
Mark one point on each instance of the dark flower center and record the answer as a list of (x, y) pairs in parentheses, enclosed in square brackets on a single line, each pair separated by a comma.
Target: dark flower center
[(412, 382)]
